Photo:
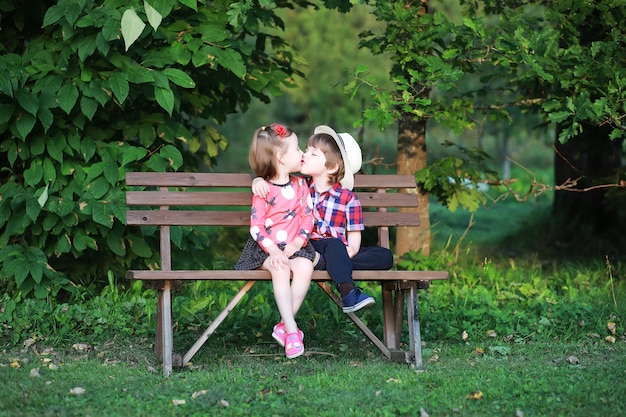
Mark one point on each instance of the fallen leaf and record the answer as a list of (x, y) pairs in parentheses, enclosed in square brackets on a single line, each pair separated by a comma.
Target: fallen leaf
[(77, 391), (491, 333), (423, 413), (611, 327), (475, 395), (594, 335), (519, 413), (377, 393), (479, 351), (464, 335), (434, 358), (80, 347), (34, 372), (573, 359), (15, 364), (223, 403), (610, 339), (29, 342), (397, 381), (178, 402), (198, 393)]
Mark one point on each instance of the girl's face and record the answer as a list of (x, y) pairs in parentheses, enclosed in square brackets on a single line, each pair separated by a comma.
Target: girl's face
[(314, 162), (292, 156)]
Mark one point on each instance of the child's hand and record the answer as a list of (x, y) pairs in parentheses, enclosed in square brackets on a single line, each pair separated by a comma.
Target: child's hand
[(260, 187), (278, 260), (291, 248)]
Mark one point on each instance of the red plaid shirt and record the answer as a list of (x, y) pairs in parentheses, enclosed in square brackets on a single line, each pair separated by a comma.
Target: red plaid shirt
[(335, 212)]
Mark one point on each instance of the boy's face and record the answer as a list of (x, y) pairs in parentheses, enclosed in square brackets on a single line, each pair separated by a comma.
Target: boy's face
[(314, 163)]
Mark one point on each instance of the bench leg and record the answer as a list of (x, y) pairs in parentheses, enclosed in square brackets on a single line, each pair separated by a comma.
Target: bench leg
[(166, 327), (218, 320), (415, 336)]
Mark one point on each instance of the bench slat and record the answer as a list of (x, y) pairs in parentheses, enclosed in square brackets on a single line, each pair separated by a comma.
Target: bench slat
[(240, 198), (190, 179), (242, 218), (233, 275)]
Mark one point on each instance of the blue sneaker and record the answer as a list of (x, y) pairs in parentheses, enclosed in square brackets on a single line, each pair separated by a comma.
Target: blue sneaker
[(356, 300)]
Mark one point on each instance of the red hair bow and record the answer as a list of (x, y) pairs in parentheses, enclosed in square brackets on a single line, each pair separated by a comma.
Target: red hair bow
[(280, 130)]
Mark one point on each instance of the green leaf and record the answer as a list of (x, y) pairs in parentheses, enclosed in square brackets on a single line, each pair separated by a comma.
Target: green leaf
[(98, 188), (165, 98), (53, 15), (132, 154), (231, 60), (88, 106), (111, 172), (87, 149), (64, 244), (132, 27), (33, 208), (116, 244), (46, 118), (43, 197), (154, 17), (6, 112), (49, 171), (180, 78), (101, 215), (34, 173), (119, 86), (24, 124), (172, 155), (139, 246), (192, 4), (67, 96), (27, 101), (18, 268), (55, 147)]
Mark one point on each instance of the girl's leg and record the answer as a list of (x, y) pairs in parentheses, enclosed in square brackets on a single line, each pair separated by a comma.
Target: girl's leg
[(302, 270), (281, 280)]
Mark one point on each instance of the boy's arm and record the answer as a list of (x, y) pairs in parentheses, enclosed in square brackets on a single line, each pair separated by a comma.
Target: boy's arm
[(260, 187), (354, 242)]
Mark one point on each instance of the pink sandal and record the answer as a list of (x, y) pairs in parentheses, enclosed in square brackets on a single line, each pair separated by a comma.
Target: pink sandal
[(279, 334), (294, 346)]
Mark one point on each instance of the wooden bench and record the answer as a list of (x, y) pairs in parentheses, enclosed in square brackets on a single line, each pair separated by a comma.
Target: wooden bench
[(222, 198)]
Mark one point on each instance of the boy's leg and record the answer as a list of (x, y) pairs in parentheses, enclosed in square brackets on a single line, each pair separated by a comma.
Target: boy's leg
[(375, 258), (339, 267)]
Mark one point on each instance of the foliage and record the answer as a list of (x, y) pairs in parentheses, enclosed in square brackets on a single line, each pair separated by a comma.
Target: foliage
[(89, 91), (563, 61)]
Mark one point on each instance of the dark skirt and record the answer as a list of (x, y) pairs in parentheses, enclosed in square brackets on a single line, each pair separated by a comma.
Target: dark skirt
[(253, 256)]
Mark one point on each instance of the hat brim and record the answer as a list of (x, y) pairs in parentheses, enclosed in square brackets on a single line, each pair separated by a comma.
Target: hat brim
[(348, 178)]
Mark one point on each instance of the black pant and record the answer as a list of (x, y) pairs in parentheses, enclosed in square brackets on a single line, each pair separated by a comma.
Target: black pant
[(336, 261)]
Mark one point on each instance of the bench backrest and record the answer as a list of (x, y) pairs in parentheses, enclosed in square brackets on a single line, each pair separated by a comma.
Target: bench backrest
[(223, 199)]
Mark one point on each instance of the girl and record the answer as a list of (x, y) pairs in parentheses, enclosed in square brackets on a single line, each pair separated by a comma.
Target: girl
[(280, 225)]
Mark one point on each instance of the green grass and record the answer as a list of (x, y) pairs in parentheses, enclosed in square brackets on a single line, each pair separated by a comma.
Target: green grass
[(122, 378)]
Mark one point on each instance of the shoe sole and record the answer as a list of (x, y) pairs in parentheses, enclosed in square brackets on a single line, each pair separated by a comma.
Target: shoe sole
[(296, 355), (365, 303)]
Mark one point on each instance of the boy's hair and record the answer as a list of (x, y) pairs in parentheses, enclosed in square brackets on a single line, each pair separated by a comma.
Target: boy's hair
[(331, 151), (266, 141)]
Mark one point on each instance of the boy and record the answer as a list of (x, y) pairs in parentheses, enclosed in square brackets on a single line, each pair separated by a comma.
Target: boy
[(331, 160)]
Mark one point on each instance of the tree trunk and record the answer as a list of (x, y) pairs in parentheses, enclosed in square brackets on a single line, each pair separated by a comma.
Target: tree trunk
[(590, 158), (411, 158)]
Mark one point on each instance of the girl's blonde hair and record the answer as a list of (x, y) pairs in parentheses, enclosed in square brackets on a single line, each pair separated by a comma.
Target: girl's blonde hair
[(266, 142), (331, 151)]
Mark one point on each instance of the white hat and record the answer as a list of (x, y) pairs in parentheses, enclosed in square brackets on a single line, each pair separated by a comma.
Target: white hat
[(350, 153)]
